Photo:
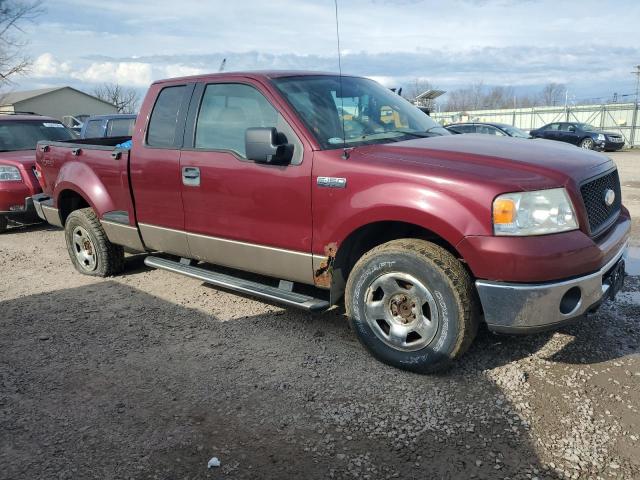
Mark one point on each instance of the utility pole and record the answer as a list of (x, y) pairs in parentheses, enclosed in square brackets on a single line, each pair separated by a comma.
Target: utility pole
[(636, 72)]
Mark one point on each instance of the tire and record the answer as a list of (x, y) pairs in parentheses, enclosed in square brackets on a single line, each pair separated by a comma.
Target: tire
[(587, 143), (3, 224), (90, 250), (422, 281)]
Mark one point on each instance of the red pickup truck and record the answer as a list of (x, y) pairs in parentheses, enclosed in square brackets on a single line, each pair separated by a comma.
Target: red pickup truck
[(18, 183), (336, 182)]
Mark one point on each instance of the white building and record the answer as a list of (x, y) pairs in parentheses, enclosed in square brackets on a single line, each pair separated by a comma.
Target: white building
[(56, 102)]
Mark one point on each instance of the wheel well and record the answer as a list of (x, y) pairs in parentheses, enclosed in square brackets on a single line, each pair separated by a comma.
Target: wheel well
[(68, 201), (370, 236)]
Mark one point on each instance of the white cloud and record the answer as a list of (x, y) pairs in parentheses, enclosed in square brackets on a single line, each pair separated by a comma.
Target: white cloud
[(46, 65), (126, 73)]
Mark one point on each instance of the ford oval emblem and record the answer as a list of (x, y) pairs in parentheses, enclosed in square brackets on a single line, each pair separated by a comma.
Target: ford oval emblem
[(609, 197)]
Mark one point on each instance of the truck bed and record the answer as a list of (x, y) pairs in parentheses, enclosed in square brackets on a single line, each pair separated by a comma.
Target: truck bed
[(91, 168)]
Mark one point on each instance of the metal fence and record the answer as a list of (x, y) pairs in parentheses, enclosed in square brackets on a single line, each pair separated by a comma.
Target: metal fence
[(623, 118)]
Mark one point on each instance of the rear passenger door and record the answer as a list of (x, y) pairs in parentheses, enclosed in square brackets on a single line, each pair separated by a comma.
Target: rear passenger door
[(155, 172), (238, 212), (552, 132)]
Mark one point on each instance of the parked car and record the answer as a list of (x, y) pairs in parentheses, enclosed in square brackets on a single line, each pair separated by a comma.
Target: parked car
[(498, 129), (116, 125), (423, 233), (19, 135), (581, 134)]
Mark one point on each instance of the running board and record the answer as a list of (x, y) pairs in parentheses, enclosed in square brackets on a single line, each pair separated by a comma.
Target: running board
[(240, 285)]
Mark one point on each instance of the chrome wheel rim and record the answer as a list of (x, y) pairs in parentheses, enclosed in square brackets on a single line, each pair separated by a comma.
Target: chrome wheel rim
[(401, 311), (587, 144), (84, 249)]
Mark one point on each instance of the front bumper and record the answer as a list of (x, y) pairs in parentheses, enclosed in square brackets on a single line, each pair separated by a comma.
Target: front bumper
[(608, 146), (527, 308), (22, 212)]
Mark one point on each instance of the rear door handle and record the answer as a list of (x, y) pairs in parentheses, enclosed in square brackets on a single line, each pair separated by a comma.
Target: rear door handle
[(191, 176)]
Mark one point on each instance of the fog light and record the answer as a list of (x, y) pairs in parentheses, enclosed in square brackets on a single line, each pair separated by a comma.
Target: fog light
[(570, 300)]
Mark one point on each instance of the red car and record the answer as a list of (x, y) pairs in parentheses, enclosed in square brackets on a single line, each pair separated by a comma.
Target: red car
[(19, 135), (336, 182)]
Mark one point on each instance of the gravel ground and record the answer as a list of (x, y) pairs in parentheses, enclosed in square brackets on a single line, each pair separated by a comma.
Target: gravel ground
[(149, 375)]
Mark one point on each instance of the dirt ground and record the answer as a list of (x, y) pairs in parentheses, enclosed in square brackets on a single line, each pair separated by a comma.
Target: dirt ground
[(149, 375)]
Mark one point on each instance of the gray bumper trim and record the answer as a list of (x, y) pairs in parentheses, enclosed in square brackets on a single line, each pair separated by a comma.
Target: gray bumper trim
[(45, 211), (530, 307)]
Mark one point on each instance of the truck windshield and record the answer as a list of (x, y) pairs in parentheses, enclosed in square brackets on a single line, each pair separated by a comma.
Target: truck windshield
[(24, 135), (357, 112)]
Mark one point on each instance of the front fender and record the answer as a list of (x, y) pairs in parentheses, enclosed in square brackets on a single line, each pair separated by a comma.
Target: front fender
[(80, 178), (448, 215)]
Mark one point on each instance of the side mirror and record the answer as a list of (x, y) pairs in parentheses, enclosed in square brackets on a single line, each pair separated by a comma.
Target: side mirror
[(264, 145)]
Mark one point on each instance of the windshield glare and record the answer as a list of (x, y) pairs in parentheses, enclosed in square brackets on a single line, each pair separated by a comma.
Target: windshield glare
[(24, 135), (587, 128), (369, 112), (516, 132)]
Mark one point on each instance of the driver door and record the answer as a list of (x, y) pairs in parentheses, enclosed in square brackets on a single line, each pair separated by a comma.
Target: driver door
[(240, 213)]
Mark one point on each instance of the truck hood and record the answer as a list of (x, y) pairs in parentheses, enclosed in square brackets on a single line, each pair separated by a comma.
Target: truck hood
[(530, 164), (24, 158)]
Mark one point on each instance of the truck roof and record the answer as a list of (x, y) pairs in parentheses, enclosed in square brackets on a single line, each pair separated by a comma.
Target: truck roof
[(111, 116), (26, 117), (255, 74)]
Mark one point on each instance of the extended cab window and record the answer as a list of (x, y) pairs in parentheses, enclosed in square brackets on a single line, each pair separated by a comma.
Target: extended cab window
[(120, 127), (164, 117), (94, 129), (228, 109)]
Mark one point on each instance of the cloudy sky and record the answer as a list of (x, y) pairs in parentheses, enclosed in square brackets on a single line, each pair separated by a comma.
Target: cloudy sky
[(590, 45)]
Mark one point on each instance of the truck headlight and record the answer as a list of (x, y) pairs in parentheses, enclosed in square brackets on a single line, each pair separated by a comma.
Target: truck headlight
[(9, 174), (601, 137), (533, 213)]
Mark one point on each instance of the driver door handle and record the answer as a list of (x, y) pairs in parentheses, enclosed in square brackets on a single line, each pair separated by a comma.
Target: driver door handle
[(191, 176)]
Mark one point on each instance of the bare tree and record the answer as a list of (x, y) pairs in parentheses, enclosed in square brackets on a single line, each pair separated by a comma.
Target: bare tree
[(13, 14), (124, 99), (552, 93), (415, 88)]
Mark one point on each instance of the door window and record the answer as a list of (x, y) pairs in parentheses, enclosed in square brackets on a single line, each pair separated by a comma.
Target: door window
[(227, 110), (554, 127), (164, 118)]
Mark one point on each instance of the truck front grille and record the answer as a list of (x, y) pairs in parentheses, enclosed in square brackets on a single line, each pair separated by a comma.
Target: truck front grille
[(593, 193)]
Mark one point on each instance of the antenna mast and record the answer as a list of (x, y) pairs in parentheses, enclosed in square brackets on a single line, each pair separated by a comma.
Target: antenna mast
[(345, 152)]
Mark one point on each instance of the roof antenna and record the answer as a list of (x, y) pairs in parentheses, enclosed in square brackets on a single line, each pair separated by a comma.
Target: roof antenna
[(222, 65), (345, 152)]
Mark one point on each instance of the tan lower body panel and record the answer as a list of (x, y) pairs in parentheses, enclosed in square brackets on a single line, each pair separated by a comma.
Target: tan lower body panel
[(165, 239), (271, 261), (124, 235)]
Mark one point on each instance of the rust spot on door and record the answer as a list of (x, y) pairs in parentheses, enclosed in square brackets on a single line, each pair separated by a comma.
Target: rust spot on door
[(322, 276)]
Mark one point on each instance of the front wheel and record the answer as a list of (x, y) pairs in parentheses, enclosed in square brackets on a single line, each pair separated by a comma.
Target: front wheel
[(412, 304), (90, 250), (587, 143)]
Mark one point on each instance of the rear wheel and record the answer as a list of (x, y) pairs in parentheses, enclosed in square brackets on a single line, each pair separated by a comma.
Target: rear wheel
[(90, 250), (587, 143), (3, 224), (412, 305)]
